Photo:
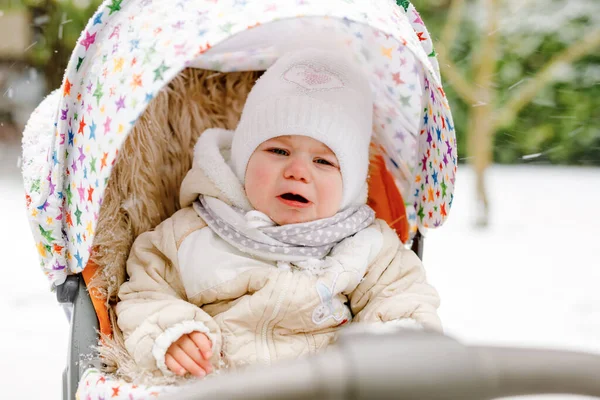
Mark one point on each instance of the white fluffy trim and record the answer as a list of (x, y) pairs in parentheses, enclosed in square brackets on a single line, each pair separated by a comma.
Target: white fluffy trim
[(210, 155), (171, 335), (37, 144)]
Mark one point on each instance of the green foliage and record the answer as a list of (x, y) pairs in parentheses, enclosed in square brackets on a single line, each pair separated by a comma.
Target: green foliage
[(57, 25), (563, 121), (562, 124)]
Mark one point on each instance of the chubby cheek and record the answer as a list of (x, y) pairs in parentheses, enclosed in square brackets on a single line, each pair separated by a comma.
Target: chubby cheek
[(257, 183), (330, 196)]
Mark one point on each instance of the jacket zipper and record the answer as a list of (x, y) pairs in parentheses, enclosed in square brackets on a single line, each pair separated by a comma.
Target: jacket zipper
[(265, 327)]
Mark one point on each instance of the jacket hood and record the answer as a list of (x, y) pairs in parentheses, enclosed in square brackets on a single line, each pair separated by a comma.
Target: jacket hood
[(211, 173)]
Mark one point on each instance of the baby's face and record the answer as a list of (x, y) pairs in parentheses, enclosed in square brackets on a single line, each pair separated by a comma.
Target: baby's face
[(294, 179)]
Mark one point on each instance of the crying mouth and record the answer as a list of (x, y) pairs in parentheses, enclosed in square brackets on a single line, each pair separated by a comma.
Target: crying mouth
[(294, 197)]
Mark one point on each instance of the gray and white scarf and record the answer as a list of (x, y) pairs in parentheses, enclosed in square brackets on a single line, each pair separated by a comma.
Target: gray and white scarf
[(255, 233)]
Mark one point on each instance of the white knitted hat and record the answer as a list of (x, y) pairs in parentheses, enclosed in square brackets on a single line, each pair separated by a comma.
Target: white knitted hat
[(317, 94)]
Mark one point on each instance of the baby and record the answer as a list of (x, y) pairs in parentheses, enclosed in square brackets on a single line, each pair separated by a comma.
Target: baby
[(274, 248)]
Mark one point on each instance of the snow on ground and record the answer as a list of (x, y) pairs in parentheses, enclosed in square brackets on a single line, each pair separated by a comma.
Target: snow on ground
[(34, 333), (530, 279)]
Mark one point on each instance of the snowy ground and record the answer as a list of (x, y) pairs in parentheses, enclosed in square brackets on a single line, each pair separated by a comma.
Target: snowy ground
[(529, 280), (532, 277), (34, 333)]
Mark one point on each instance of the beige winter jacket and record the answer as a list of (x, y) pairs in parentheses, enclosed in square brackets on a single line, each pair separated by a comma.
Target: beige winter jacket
[(184, 278)]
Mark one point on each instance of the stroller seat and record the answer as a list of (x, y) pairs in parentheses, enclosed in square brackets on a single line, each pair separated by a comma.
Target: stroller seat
[(105, 155)]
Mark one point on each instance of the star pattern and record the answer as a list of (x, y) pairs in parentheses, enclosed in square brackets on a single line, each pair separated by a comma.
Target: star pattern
[(88, 40), (159, 71), (114, 6), (101, 387)]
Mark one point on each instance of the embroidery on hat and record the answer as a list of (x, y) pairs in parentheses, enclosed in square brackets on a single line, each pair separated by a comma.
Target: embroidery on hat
[(313, 77)]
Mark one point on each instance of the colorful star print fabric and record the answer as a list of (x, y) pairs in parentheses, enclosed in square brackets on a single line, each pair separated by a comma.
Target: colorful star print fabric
[(131, 49), (94, 385)]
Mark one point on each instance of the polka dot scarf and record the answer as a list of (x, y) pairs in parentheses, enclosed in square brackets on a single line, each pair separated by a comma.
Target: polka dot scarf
[(255, 233)]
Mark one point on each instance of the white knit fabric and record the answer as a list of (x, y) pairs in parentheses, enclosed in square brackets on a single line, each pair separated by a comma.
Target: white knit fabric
[(317, 94)]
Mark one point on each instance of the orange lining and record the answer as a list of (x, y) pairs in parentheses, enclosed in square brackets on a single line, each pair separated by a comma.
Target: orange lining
[(98, 300), (385, 198)]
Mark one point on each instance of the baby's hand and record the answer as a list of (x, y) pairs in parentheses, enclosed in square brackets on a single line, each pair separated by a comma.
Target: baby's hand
[(190, 353)]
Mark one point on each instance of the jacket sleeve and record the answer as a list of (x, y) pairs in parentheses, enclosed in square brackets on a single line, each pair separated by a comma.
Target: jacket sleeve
[(153, 311), (394, 290)]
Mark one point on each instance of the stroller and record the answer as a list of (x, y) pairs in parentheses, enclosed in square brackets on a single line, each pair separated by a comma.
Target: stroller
[(146, 78)]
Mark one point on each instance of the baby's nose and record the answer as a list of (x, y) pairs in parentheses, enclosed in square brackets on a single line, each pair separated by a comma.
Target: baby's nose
[(297, 169)]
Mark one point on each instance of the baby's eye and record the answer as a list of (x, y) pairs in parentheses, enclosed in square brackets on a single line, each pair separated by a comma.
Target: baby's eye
[(324, 162), (281, 152)]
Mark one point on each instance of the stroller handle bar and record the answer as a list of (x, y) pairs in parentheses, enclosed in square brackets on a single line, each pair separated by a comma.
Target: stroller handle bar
[(409, 365)]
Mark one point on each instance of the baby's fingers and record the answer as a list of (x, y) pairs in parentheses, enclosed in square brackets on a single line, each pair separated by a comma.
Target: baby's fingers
[(203, 343), (190, 348), (186, 362), (174, 366)]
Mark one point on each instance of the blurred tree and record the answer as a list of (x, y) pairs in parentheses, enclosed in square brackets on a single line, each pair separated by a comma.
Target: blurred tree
[(57, 25), (499, 58)]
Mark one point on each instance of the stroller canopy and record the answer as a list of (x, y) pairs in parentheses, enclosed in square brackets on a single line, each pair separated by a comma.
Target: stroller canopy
[(131, 49)]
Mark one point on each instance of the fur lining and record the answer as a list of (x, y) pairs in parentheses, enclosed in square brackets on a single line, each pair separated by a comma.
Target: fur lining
[(209, 157), (171, 335), (114, 349)]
